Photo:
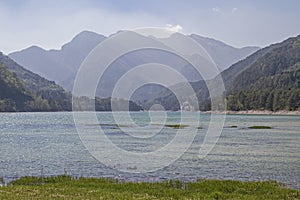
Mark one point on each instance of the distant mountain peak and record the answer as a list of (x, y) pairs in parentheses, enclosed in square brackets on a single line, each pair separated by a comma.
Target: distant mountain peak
[(84, 38), (86, 35), (32, 49)]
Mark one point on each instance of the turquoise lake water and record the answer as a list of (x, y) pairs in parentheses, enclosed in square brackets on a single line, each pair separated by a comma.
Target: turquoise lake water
[(47, 144)]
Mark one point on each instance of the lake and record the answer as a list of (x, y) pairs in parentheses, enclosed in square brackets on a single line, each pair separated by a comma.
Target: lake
[(47, 144)]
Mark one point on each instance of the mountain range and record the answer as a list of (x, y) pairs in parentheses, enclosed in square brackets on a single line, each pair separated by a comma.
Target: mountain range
[(62, 65), (268, 78)]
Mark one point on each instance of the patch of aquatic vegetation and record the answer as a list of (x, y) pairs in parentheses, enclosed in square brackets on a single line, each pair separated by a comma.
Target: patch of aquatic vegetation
[(233, 126), (67, 187), (113, 126), (156, 124), (176, 126), (259, 127)]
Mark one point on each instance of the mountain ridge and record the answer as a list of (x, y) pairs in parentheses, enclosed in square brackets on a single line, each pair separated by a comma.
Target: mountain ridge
[(62, 65)]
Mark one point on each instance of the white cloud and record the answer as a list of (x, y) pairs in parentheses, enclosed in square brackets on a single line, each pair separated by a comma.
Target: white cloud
[(175, 28), (216, 10), (234, 10)]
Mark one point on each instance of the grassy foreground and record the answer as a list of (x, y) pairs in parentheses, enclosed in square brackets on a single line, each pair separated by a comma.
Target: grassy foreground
[(65, 187)]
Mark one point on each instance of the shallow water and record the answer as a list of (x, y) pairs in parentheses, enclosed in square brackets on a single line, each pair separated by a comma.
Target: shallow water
[(46, 144)]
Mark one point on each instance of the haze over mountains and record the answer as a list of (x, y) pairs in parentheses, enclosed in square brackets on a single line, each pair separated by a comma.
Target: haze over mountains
[(268, 79), (61, 65)]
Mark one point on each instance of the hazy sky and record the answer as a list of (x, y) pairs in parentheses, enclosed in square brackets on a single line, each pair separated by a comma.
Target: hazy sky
[(51, 23)]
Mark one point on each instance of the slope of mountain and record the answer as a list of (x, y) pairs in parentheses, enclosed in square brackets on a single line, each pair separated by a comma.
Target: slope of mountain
[(56, 96), (223, 54), (14, 96), (58, 65), (268, 79), (61, 65), (272, 82), (281, 57)]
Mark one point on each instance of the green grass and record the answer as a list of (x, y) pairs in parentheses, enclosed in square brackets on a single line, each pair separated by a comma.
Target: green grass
[(260, 127), (66, 187)]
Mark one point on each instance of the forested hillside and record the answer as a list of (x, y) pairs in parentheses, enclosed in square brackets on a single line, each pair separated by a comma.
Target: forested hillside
[(57, 98), (271, 83), (14, 96)]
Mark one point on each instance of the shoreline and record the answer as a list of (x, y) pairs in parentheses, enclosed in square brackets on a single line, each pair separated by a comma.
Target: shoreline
[(227, 112), (254, 112)]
